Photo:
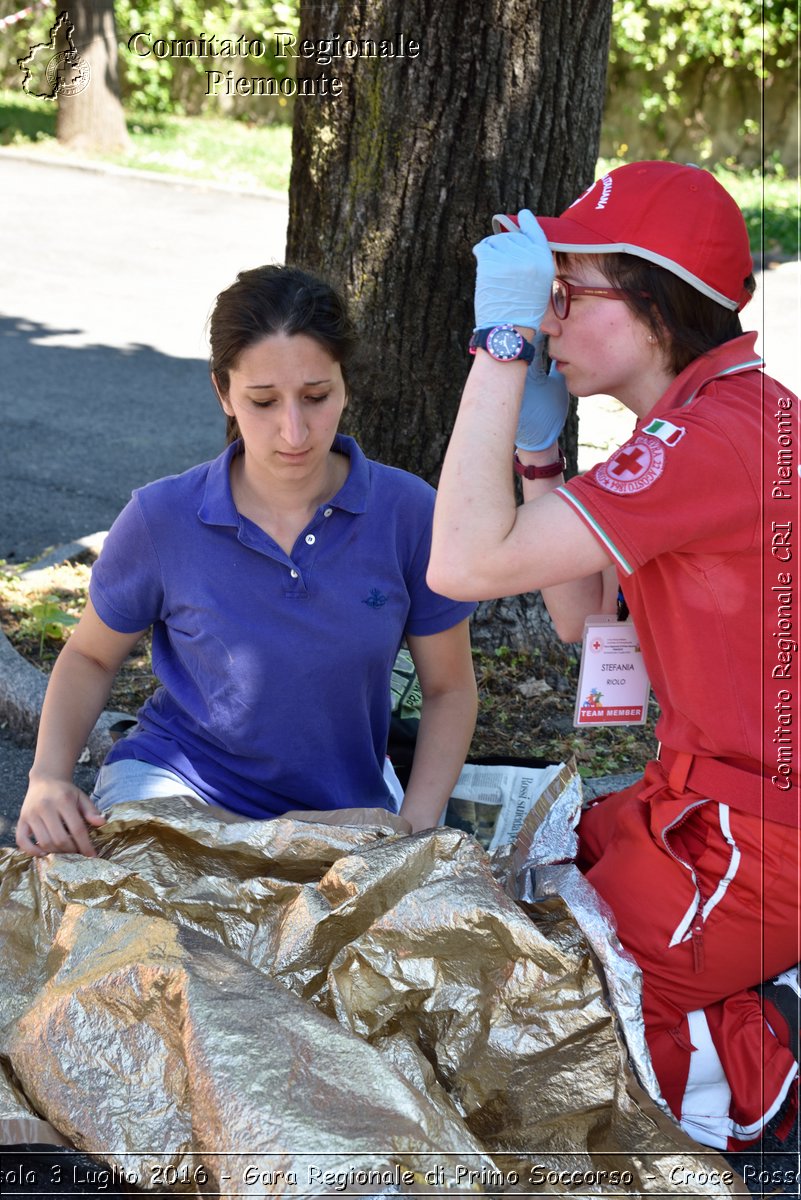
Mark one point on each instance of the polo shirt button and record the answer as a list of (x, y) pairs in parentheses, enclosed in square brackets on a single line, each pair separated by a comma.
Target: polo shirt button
[(293, 573), (310, 539), (327, 512)]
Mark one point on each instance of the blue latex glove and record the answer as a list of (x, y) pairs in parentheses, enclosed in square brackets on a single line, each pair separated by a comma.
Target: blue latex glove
[(545, 399), (513, 278)]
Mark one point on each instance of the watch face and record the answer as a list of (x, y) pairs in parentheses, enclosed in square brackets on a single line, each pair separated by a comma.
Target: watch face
[(504, 343)]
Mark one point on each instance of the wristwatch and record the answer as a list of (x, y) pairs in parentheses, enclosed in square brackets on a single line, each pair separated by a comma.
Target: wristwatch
[(529, 471), (503, 343)]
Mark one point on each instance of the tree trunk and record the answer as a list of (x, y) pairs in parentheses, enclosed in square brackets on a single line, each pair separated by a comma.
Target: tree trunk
[(90, 115), (394, 181)]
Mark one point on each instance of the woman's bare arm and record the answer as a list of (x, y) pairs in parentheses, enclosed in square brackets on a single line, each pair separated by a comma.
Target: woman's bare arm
[(55, 813)]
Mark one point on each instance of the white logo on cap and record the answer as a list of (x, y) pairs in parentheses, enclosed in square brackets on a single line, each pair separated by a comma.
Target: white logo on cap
[(606, 191), (578, 199)]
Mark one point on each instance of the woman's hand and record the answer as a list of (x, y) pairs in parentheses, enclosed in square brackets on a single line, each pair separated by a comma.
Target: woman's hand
[(514, 275), (56, 817), (545, 402)]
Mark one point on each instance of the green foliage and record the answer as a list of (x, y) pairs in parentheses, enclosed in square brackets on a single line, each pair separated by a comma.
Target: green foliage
[(50, 620), (173, 84), (661, 35), (672, 52), (17, 40), (178, 84), (666, 39)]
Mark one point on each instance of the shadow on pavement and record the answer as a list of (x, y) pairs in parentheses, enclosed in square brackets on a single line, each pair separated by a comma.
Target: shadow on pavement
[(84, 425)]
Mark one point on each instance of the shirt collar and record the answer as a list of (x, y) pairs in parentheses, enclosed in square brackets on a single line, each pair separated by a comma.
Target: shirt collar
[(352, 496), (217, 506), (731, 358)]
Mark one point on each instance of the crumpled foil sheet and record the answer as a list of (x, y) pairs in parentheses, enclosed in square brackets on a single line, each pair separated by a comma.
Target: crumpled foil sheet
[(285, 1008), (544, 866)]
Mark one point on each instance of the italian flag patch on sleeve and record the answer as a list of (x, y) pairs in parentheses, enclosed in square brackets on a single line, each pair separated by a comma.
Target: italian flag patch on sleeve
[(667, 433)]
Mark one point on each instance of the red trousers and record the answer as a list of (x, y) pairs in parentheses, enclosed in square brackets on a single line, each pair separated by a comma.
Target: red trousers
[(706, 899)]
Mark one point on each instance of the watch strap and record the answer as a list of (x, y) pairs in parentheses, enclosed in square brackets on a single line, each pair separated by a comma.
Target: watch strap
[(529, 471)]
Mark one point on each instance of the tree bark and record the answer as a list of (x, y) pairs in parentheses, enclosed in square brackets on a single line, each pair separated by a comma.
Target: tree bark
[(91, 117), (394, 181)]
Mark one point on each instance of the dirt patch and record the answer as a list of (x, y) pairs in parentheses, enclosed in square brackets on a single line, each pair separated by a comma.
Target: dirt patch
[(38, 621)]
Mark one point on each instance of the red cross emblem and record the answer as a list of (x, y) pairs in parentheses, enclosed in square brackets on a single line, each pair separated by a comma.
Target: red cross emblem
[(634, 467), (629, 462)]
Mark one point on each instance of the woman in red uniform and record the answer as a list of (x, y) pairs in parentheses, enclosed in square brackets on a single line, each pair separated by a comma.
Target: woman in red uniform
[(699, 861)]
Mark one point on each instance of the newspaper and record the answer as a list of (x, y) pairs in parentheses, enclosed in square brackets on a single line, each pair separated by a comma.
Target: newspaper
[(492, 802), (405, 690)]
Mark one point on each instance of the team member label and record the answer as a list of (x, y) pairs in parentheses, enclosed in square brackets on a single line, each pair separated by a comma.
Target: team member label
[(613, 684)]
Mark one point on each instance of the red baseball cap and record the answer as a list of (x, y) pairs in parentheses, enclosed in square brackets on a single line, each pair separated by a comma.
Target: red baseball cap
[(678, 217)]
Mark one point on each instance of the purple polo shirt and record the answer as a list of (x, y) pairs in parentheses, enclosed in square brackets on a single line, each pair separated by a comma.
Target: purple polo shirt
[(274, 669)]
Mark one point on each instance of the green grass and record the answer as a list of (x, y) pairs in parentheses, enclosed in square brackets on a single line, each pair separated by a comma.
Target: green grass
[(226, 151), (770, 207), (24, 120), (216, 149), (212, 149)]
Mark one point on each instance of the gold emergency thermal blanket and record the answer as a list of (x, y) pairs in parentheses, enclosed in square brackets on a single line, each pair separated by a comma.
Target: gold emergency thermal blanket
[(285, 1008)]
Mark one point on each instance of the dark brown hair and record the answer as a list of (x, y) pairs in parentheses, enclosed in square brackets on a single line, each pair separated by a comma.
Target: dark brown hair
[(685, 322), (276, 299)]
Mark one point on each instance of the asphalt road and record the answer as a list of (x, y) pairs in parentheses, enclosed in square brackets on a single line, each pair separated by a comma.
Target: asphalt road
[(107, 283)]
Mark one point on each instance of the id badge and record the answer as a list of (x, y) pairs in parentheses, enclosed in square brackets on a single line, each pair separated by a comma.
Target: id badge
[(613, 685)]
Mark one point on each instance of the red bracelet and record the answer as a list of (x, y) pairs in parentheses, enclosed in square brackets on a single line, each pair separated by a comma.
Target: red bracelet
[(532, 472)]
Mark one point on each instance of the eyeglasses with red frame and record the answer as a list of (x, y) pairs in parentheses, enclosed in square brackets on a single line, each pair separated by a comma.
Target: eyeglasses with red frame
[(562, 293)]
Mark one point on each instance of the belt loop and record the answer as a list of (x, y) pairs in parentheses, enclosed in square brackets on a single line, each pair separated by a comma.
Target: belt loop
[(679, 770)]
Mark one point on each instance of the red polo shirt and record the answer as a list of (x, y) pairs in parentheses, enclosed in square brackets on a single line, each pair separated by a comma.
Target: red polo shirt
[(700, 512)]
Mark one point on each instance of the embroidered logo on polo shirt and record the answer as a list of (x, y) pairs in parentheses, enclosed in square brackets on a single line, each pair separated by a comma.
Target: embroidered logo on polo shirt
[(667, 433), (376, 599), (633, 468)]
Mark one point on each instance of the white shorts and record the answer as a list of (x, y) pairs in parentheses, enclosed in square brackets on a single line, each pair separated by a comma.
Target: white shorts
[(129, 779)]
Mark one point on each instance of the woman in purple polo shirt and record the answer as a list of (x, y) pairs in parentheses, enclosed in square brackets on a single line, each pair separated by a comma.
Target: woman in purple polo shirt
[(279, 581)]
